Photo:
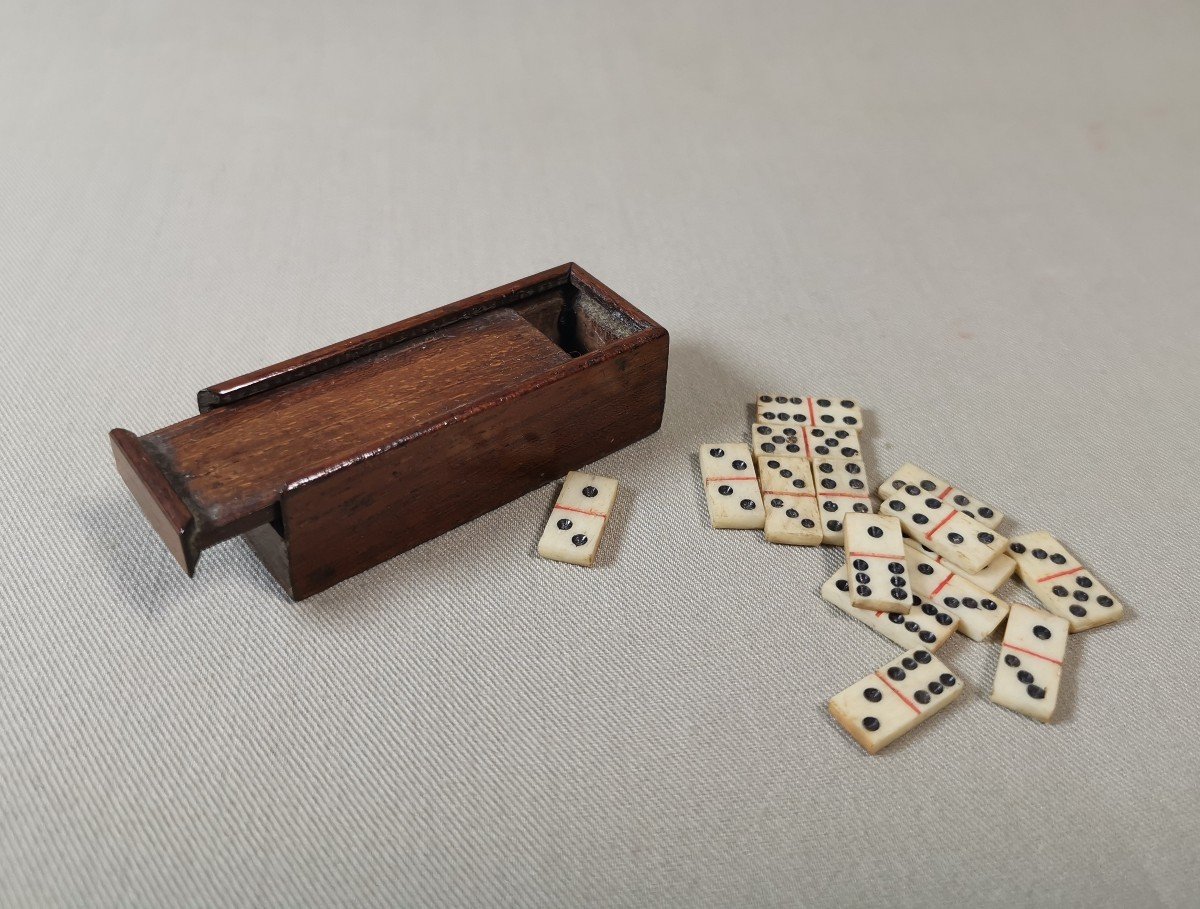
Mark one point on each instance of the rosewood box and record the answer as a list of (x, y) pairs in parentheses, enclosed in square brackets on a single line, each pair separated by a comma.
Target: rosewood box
[(334, 461)]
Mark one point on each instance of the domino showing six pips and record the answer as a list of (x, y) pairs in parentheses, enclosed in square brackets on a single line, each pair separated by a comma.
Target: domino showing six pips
[(923, 566)]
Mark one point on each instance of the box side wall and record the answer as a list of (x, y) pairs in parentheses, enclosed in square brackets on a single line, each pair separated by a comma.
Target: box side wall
[(345, 522)]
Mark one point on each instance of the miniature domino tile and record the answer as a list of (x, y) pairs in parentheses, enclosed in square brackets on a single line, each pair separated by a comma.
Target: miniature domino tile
[(803, 441), (731, 486), (792, 517), (800, 411), (946, 530), (990, 579), (972, 506), (924, 626), (578, 519), (895, 698), (1062, 584), (842, 489), (875, 554), (1031, 660), (979, 611)]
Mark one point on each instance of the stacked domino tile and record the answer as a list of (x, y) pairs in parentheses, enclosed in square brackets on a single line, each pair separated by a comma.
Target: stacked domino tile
[(924, 565)]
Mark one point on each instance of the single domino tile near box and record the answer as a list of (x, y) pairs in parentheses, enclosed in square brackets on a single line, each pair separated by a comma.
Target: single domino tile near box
[(578, 519), (875, 563), (731, 486), (895, 698), (924, 626), (943, 528), (836, 413), (1031, 660), (1062, 584), (972, 506), (980, 612), (803, 441), (990, 579), (842, 489), (792, 517)]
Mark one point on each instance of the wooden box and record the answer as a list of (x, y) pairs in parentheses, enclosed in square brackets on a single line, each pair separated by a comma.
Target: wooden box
[(334, 461)]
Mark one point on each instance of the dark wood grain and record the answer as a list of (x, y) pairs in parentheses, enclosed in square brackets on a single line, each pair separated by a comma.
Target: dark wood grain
[(317, 361), (334, 461), (154, 494)]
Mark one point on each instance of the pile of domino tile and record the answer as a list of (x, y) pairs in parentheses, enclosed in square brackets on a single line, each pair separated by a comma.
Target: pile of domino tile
[(924, 564)]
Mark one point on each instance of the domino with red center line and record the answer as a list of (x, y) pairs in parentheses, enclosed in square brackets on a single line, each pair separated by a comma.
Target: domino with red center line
[(803, 441), (875, 563), (791, 503), (979, 611), (924, 626), (971, 506), (790, 410), (731, 486), (895, 698), (842, 489), (1062, 584), (944, 528), (578, 519), (990, 579), (1031, 660)]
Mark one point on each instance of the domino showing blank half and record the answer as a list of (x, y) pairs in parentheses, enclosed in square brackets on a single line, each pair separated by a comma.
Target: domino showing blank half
[(895, 698), (1031, 661), (578, 519), (924, 626), (875, 563), (731, 486)]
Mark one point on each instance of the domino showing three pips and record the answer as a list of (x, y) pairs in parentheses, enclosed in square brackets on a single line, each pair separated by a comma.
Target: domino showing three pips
[(927, 565)]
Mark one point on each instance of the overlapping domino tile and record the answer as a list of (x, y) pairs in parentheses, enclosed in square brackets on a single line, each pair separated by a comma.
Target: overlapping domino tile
[(842, 489), (1062, 584), (943, 528), (972, 506), (792, 517), (894, 699), (979, 611), (875, 563), (803, 441), (793, 410), (990, 579), (1031, 660), (924, 626)]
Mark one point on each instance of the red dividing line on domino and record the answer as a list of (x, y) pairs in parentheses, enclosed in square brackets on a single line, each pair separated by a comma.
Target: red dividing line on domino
[(929, 536), (950, 577), (807, 448), (727, 479), (843, 495), (897, 692), (798, 495), (875, 555), (1059, 574), (594, 514), (812, 417), (946, 492), (1033, 654)]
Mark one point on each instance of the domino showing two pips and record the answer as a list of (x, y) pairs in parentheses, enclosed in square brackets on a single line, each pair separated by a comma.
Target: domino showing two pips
[(927, 565)]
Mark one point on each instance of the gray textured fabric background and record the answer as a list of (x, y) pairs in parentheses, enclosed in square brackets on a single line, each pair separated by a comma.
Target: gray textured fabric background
[(980, 219)]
